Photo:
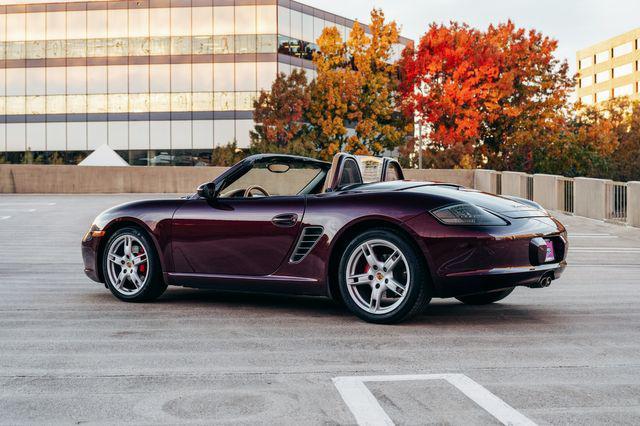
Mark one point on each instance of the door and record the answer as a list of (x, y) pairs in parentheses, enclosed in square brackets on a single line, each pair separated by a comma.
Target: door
[(235, 236)]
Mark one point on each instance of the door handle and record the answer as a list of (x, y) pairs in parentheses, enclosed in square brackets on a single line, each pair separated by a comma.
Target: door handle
[(285, 220)]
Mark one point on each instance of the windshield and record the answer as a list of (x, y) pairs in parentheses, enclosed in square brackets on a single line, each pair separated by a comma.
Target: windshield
[(276, 178)]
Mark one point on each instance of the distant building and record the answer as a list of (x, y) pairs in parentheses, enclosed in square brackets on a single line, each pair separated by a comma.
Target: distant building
[(162, 82), (609, 69)]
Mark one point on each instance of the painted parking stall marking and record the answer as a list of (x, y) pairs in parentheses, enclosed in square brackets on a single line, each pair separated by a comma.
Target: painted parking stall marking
[(593, 236), (20, 207), (12, 204), (367, 410), (605, 249)]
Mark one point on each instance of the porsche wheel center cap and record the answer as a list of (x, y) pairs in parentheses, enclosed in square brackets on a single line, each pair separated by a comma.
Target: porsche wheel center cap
[(379, 276)]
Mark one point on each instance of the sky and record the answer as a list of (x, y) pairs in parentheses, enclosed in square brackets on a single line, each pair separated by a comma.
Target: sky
[(576, 24)]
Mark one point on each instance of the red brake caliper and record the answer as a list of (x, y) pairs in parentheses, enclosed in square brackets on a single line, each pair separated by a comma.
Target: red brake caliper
[(142, 266)]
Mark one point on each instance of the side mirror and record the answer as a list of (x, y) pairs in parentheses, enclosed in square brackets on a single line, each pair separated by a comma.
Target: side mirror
[(208, 191)]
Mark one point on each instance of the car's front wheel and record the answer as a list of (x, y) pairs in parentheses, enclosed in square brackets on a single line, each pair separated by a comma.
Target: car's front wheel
[(382, 277), (131, 268), (485, 298)]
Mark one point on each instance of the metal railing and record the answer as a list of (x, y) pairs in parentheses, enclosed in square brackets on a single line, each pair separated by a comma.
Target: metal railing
[(529, 189), (616, 201), (566, 195)]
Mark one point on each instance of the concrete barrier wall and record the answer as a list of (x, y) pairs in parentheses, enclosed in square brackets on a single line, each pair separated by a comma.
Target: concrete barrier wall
[(464, 177), (514, 183), (547, 191), (50, 179), (590, 194), (486, 181), (590, 197), (633, 203)]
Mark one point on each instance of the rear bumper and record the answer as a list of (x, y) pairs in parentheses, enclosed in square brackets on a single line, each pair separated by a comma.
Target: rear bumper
[(473, 282), (471, 260)]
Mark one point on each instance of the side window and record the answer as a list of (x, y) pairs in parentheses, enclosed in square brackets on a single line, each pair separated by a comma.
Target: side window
[(350, 173)]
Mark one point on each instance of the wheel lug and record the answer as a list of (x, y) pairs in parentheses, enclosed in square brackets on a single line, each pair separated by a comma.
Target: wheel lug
[(386, 281), (375, 267), (370, 277), (384, 269), (377, 285)]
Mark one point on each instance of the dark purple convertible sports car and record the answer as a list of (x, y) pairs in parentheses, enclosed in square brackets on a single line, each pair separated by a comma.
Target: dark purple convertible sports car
[(353, 230)]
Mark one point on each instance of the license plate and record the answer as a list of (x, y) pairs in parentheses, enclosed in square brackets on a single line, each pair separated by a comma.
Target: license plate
[(551, 255)]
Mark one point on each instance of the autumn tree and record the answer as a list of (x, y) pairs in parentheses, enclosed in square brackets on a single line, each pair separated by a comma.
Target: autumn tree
[(226, 155), (488, 98), (280, 116), (354, 97)]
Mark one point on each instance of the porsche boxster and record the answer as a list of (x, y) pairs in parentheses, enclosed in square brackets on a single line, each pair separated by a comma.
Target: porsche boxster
[(353, 229)]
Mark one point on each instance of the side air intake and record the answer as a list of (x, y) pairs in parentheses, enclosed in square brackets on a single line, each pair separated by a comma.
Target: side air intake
[(308, 239)]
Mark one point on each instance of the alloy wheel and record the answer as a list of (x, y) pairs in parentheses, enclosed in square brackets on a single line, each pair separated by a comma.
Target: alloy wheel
[(127, 265), (377, 276)]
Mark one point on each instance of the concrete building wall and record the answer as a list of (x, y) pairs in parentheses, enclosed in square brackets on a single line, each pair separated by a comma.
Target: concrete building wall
[(609, 69)]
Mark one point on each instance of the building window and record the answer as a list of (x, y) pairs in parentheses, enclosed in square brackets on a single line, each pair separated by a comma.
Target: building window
[(626, 90), (603, 96), (622, 70), (623, 49), (284, 21), (603, 76), (603, 56), (586, 81)]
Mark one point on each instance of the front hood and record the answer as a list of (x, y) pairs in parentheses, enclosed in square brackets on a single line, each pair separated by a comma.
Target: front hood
[(495, 203)]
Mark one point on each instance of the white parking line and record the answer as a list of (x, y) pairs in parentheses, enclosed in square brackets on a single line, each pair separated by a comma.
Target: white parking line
[(5, 217), (604, 249), (18, 210), (367, 411), (26, 204), (593, 236)]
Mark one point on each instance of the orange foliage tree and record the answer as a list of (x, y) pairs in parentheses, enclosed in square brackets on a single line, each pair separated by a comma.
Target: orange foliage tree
[(357, 88), (487, 98)]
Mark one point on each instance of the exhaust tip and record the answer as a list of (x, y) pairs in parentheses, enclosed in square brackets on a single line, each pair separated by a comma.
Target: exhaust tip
[(544, 281)]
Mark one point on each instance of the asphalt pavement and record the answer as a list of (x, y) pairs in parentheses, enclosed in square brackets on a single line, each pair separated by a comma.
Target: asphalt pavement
[(71, 353)]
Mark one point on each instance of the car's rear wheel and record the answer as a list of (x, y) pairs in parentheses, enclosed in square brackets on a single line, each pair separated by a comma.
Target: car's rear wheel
[(382, 277), (131, 267), (485, 298)]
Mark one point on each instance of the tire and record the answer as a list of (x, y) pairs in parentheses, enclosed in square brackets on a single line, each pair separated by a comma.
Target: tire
[(485, 298), (147, 283), (383, 295)]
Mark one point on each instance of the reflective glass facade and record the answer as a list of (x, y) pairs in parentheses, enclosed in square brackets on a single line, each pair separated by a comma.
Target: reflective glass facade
[(160, 81)]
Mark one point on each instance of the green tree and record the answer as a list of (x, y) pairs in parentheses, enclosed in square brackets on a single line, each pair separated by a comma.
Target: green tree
[(226, 155)]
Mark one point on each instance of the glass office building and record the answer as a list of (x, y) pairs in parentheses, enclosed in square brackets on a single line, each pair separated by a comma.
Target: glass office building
[(160, 81)]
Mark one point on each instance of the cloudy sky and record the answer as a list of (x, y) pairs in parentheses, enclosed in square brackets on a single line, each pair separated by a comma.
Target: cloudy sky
[(574, 23)]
